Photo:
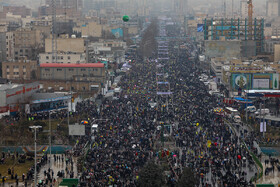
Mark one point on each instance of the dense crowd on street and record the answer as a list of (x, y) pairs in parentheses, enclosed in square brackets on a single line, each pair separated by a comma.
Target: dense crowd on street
[(126, 140)]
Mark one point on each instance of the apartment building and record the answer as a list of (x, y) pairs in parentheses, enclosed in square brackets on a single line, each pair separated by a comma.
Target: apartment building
[(63, 58), (66, 44), (21, 70), (24, 42), (90, 71)]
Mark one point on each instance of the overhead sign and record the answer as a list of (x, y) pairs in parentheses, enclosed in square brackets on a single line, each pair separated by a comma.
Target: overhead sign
[(76, 130)]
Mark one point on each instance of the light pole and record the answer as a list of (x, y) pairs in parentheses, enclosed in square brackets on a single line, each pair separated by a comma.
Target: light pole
[(50, 140), (35, 151)]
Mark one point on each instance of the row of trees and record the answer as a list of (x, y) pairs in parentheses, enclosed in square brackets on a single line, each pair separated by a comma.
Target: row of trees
[(148, 45)]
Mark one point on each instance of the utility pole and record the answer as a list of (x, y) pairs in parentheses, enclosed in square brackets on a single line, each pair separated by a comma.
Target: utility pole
[(35, 152), (50, 140)]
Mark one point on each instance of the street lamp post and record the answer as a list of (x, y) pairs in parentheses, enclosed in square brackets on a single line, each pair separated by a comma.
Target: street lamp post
[(35, 152), (50, 140)]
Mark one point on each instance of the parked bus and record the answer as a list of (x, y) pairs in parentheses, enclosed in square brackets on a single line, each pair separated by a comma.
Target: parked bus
[(231, 112)]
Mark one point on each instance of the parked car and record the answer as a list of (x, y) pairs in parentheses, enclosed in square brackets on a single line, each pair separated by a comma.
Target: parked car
[(251, 109)]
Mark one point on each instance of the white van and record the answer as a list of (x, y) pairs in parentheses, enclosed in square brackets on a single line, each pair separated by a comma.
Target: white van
[(117, 90), (264, 111), (251, 109), (94, 128)]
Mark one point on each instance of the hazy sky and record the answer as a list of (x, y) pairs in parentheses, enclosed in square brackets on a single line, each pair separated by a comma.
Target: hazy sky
[(257, 3)]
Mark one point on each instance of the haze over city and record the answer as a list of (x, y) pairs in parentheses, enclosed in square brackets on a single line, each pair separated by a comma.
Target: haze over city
[(181, 93)]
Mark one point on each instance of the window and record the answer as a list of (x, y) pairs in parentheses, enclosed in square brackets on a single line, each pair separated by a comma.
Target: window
[(8, 67), (59, 69), (26, 50), (23, 67), (24, 73), (71, 69), (69, 57), (47, 57), (61, 57), (8, 73), (47, 69), (83, 69), (21, 50)]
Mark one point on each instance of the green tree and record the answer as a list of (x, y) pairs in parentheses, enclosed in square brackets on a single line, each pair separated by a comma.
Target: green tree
[(151, 175), (188, 178)]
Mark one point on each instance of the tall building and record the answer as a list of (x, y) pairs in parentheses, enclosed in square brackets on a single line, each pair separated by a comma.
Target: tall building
[(272, 8), (24, 42), (278, 7), (244, 8)]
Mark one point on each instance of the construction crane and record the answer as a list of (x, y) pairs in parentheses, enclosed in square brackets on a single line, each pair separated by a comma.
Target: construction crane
[(54, 41), (250, 18)]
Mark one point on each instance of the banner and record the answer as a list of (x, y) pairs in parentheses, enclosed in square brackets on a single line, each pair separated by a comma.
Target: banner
[(117, 32), (263, 127), (200, 27)]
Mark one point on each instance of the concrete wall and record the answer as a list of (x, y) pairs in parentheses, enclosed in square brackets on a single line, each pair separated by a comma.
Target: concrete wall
[(226, 49), (248, 49)]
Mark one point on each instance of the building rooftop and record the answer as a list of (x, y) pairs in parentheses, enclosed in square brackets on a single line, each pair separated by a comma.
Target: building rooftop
[(83, 65), (4, 87)]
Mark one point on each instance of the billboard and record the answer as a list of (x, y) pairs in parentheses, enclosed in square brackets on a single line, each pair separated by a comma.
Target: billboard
[(261, 83), (226, 49), (265, 81), (117, 32), (275, 83), (76, 130), (241, 81)]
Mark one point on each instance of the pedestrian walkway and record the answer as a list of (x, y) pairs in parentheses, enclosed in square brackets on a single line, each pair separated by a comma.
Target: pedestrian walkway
[(56, 166), (59, 165)]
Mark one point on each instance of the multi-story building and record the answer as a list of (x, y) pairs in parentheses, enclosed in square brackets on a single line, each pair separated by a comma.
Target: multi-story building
[(272, 8), (63, 58), (269, 45), (244, 8), (24, 42), (66, 44), (3, 46), (71, 8), (10, 46), (68, 72), (22, 11), (20, 70)]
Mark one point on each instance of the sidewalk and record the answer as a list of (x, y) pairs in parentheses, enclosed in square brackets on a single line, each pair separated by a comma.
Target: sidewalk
[(55, 166)]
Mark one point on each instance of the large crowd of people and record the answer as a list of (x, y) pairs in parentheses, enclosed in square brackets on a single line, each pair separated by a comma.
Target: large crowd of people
[(126, 140)]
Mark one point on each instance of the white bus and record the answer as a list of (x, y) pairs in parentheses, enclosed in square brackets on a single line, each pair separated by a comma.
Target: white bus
[(231, 112)]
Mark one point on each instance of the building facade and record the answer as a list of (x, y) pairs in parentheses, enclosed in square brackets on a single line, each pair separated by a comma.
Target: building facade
[(63, 58), (20, 70), (76, 45), (94, 72), (272, 8)]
